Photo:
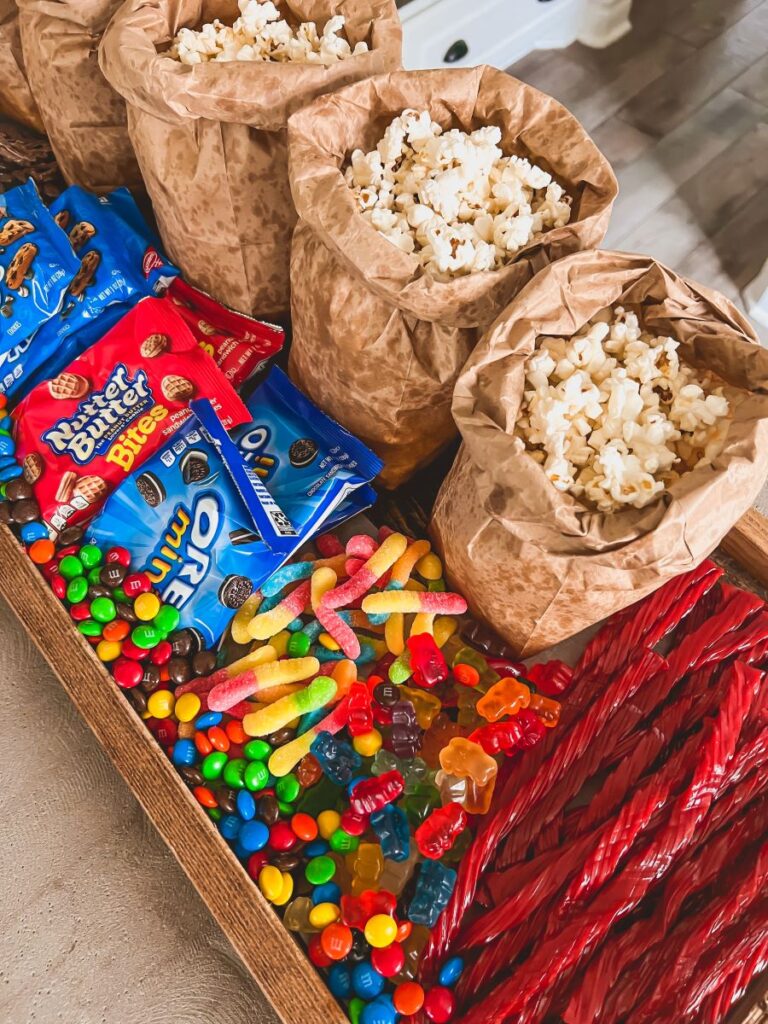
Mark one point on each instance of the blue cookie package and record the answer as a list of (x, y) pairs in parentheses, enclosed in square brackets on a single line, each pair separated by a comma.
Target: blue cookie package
[(37, 264), (211, 517), (118, 261)]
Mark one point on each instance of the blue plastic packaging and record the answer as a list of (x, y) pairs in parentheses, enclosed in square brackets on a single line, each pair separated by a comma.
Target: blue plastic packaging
[(37, 265), (119, 262), (206, 526)]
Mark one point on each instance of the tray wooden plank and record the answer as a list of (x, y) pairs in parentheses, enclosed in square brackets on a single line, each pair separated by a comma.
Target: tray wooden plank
[(747, 543), (279, 966)]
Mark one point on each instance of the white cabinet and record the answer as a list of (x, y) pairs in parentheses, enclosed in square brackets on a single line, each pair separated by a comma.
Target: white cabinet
[(462, 33)]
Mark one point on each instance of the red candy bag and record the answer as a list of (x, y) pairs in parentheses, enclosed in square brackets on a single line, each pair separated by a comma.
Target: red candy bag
[(240, 346), (80, 434)]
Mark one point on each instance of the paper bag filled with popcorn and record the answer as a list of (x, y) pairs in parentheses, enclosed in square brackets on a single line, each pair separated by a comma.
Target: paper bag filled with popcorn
[(83, 116), (426, 201), (615, 427), (16, 100), (209, 87)]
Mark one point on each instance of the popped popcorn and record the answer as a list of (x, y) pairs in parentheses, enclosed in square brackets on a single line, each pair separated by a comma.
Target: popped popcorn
[(260, 34), (457, 203), (614, 417)]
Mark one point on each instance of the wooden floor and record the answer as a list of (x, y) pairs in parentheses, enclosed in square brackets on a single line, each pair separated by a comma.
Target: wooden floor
[(680, 108)]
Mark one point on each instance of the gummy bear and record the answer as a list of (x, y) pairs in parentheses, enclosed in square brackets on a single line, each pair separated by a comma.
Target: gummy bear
[(420, 802), (439, 734), (428, 665), (468, 760), (413, 947), (506, 697), (405, 736), (366, 865), (359, 710), (391, 827), (372, 794), (414, 772), (356, 910), (426, 705), (434, 887), (499, 737), (437, 834), (533, 728), (338, 759), (548, 710), (308, 771), (296, 918), (552, 678)]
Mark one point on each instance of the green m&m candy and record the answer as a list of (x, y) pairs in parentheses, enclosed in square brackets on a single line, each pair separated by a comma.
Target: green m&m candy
[(103, 609), (167, 619), (90, 556), (256, 775), (213, 765), (343, 842), (77, 589), (287, 789), (146, 636), (298, 645), (257, 750), (89, 627), (70, 566), (234, 772), (320, 870)]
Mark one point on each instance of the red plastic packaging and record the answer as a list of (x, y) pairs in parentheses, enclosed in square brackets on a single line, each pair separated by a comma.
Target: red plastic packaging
[(239, 345), (80, 434)]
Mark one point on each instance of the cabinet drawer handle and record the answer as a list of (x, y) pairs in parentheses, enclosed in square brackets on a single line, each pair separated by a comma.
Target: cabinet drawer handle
[(456, 51)]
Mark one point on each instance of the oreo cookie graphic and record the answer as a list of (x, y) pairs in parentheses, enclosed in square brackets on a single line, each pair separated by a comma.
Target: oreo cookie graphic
[(234, 591), (150, 488), (194, 466), (302, 452)]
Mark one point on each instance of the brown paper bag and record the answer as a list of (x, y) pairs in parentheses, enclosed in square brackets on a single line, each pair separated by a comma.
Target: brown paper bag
[(377, 343), (211, 138), (16, 100), (83, 116), (537, 564)]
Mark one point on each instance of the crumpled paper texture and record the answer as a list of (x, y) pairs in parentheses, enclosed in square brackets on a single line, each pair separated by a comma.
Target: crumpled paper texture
[(84, 118), (16, 100), (377, 343), (537, 563), (211, 139)]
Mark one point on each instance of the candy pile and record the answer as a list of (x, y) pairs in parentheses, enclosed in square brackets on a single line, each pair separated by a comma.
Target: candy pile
[(261, 34), (614, 416), (346, 787), (623, 871), (453, 200)]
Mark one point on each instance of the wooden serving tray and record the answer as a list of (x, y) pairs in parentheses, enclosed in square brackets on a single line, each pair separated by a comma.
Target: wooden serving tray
[(269, 952)]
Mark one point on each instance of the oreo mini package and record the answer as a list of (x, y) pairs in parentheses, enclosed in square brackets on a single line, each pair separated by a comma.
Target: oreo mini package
[(80, 434), (37, 264), (198, 512), (120, 262)]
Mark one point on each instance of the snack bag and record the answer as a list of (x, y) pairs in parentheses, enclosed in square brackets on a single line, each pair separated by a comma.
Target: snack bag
[(377, 341), (120, 262), (300, 454), (211, 138), (37, 264), (537, 563), (240, 346), (197, 510), (83, 116), (82, 432), (16, 100)]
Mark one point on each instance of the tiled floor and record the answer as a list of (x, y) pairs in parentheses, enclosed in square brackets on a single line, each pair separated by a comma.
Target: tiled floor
[(680, 108)]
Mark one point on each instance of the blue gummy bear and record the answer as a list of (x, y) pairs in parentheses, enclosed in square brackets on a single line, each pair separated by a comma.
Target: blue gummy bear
[(338, 759), (433, 891), (393, 832)]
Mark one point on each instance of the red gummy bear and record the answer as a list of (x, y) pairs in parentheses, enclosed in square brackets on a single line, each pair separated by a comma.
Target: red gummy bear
[(437, 833), (427, 662)]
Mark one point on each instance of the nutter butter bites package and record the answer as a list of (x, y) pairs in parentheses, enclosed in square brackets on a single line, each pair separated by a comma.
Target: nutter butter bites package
[(210, 519), (80, 434)]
